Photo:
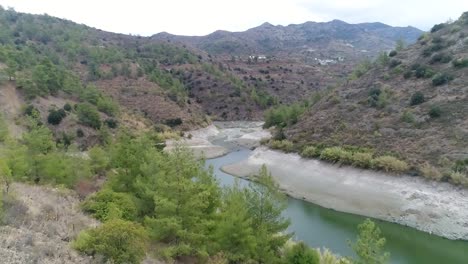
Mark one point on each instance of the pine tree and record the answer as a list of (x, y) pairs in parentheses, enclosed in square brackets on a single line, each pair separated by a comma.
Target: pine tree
[(369, 246), (186, 198), (266, 204), (234, 233)]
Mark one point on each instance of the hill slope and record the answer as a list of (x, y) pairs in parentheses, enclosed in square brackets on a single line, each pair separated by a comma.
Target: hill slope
[(413, 105), (308, 40)]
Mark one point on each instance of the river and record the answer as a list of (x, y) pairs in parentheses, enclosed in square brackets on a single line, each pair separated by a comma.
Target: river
[(320, 227)]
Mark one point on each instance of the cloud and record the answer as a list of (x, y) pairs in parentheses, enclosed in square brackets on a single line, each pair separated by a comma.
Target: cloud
[(188, 17)]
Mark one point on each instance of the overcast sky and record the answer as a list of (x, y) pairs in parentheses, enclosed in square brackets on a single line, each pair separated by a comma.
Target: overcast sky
[(201, 17)]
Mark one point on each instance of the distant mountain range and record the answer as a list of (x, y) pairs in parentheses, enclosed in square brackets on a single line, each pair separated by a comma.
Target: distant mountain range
[(335, 38)]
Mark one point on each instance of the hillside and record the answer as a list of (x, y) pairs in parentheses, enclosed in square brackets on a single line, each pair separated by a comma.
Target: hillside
[(411, 104), (305, 41)]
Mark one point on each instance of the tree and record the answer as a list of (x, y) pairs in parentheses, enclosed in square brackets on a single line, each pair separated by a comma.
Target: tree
[(369, 245), (185, 199), (39, 142), (116, 240), (265, 204), (12, 67), (234, 233), (300, 253), (5, 175), (107, 205), (89, 115), (56, 116)]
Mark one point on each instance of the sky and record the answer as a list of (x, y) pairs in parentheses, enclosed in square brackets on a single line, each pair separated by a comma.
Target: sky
[(201, 17)]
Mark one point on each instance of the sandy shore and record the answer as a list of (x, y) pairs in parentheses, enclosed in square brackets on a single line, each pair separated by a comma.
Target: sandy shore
[(437, 208)]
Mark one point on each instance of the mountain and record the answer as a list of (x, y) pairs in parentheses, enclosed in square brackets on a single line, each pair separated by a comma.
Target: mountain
[(412, 104), (322, 40)]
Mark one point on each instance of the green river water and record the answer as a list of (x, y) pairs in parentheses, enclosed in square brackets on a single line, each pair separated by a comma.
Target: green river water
[(320, 227)]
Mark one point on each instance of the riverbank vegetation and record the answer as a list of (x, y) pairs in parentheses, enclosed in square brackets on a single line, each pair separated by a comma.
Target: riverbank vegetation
[(156, 203), (354, 156)]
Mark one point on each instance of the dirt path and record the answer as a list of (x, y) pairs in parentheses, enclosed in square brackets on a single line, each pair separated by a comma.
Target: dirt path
[(10, 107)]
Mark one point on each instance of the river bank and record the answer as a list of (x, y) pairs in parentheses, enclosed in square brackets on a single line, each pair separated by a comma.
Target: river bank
[(437, 208)]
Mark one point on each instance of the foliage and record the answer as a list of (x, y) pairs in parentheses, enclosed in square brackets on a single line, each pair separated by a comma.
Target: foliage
[(302, 254), (438, 27), (407, 117), (67, 107), (107, 105), (460, 63), (336, 154), (435, 111), (362, 159), (55, 116), (116, 240), (185, 197), (284, 145), (393, 53), (369, 245), (310, 152), (106, 205), (440, 58), (417, 98), (88, 115), (3, 129), (284, 115), (389, 163), (441, 78), (361, 69)]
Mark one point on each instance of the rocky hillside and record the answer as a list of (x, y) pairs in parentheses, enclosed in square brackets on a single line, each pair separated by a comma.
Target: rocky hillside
[(411, 103), (307, 41)]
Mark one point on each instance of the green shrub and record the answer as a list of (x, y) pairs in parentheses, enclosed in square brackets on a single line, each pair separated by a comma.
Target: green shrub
[(336, 154), (435, 111), (284, 145), (460, 63), (300, 253), (441, 78), (394, 63), (88, 115), (111, 123), (118, 241), (67, 107), (107, 105), (362, 159), (3, 129), (440, 57), (417, 98), (56, 116), (107, 204), (437, 27), (430, 172), (407, 117), (310, 152), (392, 53), (389, 163), (459, 178), (79, 133)]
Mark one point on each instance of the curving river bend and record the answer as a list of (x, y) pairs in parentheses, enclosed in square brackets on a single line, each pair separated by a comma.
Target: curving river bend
[(321, 227)]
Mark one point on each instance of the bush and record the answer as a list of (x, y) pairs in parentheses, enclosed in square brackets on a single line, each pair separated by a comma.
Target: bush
[(459, 178), (107, 204), (460, 63), (88, 115), (392, 53), (173, 122), (107, 105), (394, 63), (118, 241), (440, 57), (336, 154), (389, 163), (284, 145), (300, 253), (111, 123), (430, 172), (435, 111), (56, 116), (417, 98), (407, 117), (67, 107), (79, 133), (362, 159), (441, 78), (437, 27), (310, 152)]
